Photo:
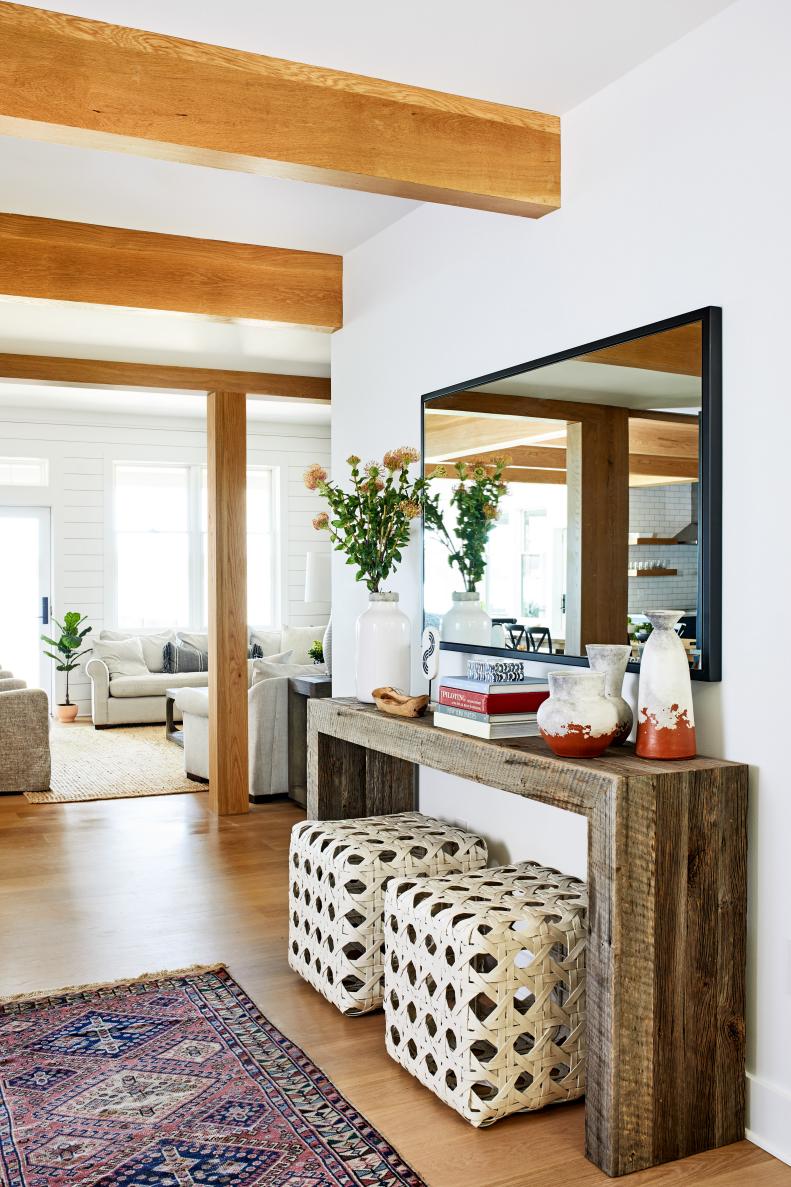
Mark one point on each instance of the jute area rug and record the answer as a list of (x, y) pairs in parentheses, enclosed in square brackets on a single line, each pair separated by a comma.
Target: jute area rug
[(173, 1079), (89, 764)]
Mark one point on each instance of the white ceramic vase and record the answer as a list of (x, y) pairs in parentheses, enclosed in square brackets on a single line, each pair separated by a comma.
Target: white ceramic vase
[(382, 656), (611, 659), (578, 720), (467, 621), (665, 718)]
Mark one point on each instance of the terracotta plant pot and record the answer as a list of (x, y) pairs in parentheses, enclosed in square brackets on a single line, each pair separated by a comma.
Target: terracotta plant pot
[(578, 721), (665, 720), (67, 712), (611, 659)]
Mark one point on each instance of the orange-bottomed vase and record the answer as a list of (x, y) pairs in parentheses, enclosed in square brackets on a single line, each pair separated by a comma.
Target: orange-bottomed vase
[(665, 719)]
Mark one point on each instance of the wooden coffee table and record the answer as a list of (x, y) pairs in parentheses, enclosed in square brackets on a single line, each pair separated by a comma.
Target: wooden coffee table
[(172, 732)]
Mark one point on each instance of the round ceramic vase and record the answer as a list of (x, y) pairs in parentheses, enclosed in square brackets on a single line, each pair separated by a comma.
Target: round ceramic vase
[(611, 659), (578, 720), (382, 657), (665, 720), (467, 621)]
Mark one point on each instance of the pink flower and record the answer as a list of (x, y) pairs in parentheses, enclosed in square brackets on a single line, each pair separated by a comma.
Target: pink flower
[(314, 476), (321, 521)]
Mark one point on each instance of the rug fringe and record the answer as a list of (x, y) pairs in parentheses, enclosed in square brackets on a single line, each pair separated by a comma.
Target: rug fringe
[(44, 995)]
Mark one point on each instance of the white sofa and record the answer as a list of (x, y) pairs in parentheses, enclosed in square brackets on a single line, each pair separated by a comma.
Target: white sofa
[(140, 700)]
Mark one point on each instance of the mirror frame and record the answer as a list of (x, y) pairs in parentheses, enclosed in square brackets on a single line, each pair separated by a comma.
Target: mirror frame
[(709, 607)]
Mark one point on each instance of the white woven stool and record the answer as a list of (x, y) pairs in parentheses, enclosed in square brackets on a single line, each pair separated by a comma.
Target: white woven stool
[(485, 987), (339, 870)]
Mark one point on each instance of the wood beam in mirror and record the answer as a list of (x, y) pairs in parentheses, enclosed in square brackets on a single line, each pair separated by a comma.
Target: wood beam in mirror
[(227, 498), (597, 530), (65, 261), (179, 100)]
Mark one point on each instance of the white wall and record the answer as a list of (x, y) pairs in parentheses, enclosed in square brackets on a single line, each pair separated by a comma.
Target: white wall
[(677, 180), (82, 446)]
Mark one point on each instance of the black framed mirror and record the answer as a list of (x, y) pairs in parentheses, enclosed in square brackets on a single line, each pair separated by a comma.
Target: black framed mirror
[(599, 472)]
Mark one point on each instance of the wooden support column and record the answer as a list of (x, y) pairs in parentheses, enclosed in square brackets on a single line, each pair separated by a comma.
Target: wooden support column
[(597, 453), (227, 491)]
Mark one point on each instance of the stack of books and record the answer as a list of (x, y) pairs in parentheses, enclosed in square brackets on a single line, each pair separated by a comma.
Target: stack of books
[(490, 708)]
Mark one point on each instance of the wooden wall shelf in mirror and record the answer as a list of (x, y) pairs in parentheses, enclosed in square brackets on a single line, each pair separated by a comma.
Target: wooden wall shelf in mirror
[(613, 462)]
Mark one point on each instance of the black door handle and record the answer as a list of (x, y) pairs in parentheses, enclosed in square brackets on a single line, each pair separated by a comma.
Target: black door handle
[(45, 611)]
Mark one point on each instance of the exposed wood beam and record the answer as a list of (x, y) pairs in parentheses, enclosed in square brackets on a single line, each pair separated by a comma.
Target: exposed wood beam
[(64, 261), (450, 436), (656, 462), (76, 81), (678, 351), (108, 373), (227, 496)]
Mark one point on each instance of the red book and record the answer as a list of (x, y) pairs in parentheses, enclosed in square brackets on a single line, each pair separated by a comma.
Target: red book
[(492, 703)]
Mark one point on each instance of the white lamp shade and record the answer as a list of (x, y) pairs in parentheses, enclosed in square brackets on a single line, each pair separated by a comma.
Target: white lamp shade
[(318, 586)]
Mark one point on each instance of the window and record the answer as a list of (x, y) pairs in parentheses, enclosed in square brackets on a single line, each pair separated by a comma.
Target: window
[(161, 545), (24, 471)]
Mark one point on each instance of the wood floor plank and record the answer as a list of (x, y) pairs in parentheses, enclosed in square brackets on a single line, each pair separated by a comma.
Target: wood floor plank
[(100, 891)]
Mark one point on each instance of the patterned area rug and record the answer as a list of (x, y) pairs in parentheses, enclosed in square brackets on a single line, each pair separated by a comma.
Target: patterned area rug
[(115, 764), (175, 1080)]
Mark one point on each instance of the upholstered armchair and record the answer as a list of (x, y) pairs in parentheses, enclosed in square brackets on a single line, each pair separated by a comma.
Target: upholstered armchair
[(24, 737)]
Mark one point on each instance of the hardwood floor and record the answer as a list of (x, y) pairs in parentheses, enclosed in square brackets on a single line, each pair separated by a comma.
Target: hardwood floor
[(101, 891)]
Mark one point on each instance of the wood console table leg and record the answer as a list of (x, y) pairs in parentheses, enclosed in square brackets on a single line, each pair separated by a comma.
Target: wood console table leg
[(347, 780), (667, 877)]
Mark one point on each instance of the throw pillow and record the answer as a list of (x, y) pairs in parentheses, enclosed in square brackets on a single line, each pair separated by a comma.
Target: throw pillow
[(268, 641), (183, 657), (123, 657), (199, 641), (300, 639), (153, 645), (265, 669)]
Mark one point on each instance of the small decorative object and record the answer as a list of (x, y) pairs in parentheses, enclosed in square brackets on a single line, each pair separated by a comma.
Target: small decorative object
[(665, 718), (429, 653), (371, 524), (68, 654), (476, 501), (485, 987), (503, 671), (338, 873), (612, 658), (578, 721), (398, 704), (316, 652)]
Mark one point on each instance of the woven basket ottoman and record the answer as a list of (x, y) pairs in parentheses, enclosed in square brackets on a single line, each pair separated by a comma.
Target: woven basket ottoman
[(485, 987), (339, 870)]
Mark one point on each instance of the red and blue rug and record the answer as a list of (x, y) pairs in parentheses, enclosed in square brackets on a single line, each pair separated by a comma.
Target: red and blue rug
[(173, 1081)]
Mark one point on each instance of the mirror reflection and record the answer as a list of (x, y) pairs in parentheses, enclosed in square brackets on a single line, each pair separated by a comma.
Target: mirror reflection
[(567, 500)]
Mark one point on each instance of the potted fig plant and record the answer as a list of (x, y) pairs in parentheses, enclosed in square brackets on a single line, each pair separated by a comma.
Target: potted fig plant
[(476, 501), (371, 524), (67, 653)]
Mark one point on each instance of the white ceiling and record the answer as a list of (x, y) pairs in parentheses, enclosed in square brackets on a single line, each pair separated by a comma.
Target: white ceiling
[(525, 52), (545, 56)]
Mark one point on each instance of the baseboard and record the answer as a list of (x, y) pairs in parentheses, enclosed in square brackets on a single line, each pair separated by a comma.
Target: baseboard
[(768, 1111)]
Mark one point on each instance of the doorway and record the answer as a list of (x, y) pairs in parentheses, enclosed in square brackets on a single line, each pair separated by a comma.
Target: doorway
[(25, 549)]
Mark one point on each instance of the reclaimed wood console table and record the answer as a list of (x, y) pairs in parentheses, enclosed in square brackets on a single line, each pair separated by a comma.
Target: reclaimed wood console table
[(667, 848)]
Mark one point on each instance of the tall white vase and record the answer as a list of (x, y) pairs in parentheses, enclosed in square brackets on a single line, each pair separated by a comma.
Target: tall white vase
[(467, 621), (382, 654), (665, 719)]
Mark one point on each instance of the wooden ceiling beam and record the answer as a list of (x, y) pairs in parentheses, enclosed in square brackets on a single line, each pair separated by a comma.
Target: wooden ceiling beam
[(69, 80), (65, 261), (106, 373), (677, 352)]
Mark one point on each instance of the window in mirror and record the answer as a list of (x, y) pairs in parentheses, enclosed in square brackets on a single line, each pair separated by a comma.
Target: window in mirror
[(603, 517)]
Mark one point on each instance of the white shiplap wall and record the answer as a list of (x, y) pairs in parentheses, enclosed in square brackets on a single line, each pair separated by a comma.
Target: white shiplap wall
[(81, 447)]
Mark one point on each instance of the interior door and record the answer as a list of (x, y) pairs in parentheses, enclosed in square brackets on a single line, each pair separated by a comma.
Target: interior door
[(25, 561)]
